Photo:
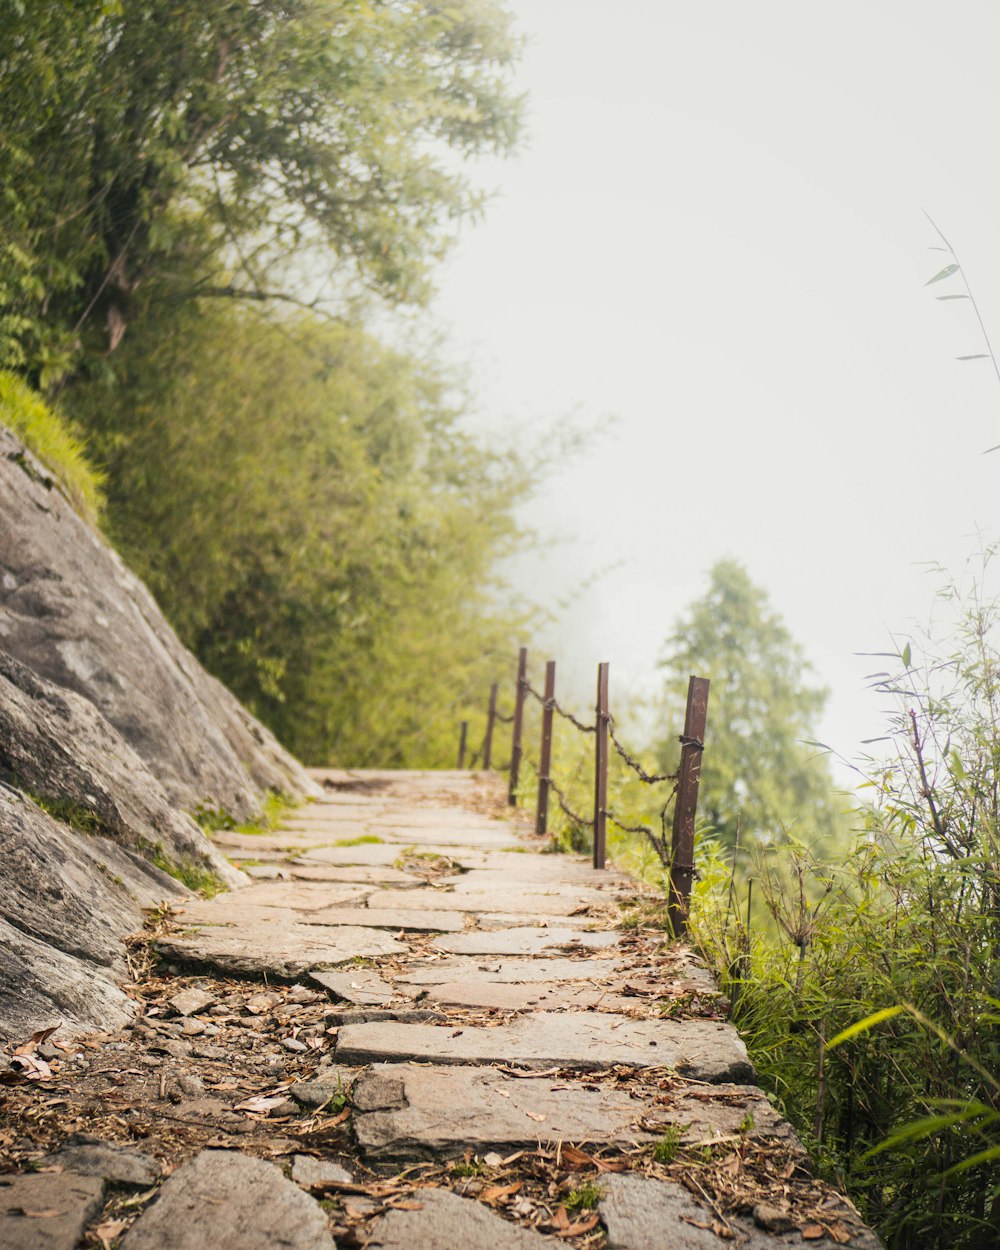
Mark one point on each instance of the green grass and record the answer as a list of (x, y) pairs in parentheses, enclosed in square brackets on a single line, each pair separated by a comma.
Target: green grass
[(667, 1148), (50, 438), (272, 813), (197, 877), (585, 1198), (363, 839)]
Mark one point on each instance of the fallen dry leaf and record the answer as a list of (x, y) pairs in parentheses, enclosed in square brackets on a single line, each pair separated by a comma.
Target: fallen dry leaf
[(812, 1232), (36, 1039), (496, 1193), (534, 1115), (580, 1227), (109, 1231), (48, 1214), (259, 1103)]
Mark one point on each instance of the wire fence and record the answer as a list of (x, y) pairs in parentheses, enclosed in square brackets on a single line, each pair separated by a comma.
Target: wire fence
[(676, 849)]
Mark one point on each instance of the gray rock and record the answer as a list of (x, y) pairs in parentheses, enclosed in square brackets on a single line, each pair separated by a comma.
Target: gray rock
[(315, 1094), (25, 1200), (526, 941), (360, 986), (505, 971), (190, 1001), (394, 919), (559, 901), (118, 1164), (308, 1171), (230, 1202), (423, 1111), (644, 1214), (58, 746), (73, 612), (272, 943), (64, 913), (447, 1222), (700, 1049)]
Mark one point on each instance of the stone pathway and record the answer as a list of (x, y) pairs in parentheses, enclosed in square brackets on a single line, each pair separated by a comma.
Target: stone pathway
[(415, 1030)]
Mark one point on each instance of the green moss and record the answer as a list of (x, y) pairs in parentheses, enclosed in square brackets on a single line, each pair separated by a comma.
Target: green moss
[(50, 438), (78, 817), (273, 811), (363, 839), (585, 1198), (197, 877)]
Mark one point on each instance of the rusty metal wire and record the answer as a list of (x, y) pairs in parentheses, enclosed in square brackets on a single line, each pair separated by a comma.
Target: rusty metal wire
[(646, 829), (556, 707), (504, 720), (649, 778), (584, 821)]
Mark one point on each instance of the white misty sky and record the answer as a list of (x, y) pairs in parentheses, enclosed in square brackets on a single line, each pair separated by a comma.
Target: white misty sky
[(715, 233)]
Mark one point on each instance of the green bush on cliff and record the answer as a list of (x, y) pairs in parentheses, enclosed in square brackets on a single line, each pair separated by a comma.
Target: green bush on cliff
[(50, 438)]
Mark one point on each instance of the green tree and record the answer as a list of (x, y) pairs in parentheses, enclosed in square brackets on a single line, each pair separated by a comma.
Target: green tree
[(314, 521), (760, 780), (248, 149)]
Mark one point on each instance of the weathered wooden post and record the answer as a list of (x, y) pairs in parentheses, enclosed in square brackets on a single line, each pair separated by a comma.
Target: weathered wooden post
[(515, 745), (601, 768), (491, 717), (686, 804), (545, 756), (463, 741)]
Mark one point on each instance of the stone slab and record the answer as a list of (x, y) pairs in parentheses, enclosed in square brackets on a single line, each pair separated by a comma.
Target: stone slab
[(91, 1157), (277, 948), (516, 996), (414, 1111), (361, 986), (76, 1200), (416, 919), (285, 895), (366, 854), (593, 970), (407, 1110), (447, 1222), (230, 1202), (644, 1214), (701, 1049), (357, 873), (550, 903), (308, 1171), (527, 941)]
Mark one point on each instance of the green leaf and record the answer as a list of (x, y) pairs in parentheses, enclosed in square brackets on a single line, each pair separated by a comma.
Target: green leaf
[(906, 656), (977, 356), (862, 1026), (973, 1161), (946, 272)]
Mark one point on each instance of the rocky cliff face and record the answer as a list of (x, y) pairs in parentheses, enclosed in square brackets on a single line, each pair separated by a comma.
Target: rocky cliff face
[(111, 735)]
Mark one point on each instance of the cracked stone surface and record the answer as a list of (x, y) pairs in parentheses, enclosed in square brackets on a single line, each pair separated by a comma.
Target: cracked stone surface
[(278, 947), (525, 941), (70, 1201), (206, 1203), (422, 1111), (447, 1222), (91, 1157), (644, 1214), (701, 1049)]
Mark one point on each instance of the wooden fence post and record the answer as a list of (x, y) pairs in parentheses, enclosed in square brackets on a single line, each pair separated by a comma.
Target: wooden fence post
[(601, 768), (545, 757), (686, 804), (515, 745), (463, 740), (491, 716)]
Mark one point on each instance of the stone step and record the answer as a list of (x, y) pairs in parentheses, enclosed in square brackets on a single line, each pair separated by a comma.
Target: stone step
[(589, 1041), (416, 1111)]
